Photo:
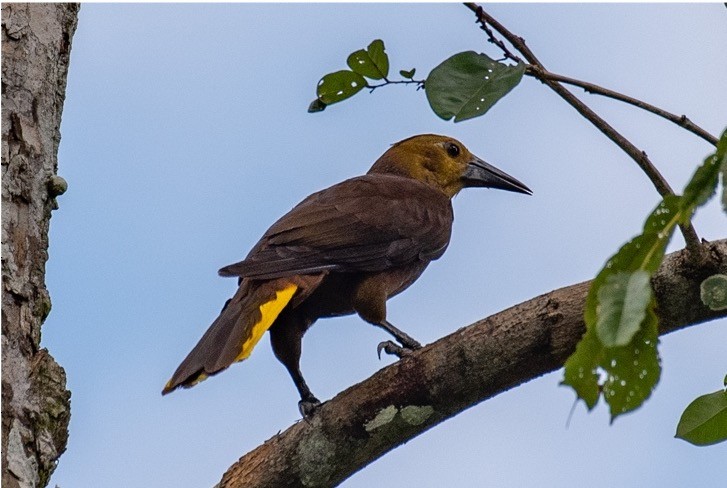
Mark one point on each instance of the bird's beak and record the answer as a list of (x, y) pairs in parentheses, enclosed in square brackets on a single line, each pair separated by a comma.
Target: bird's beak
[(479, 173)]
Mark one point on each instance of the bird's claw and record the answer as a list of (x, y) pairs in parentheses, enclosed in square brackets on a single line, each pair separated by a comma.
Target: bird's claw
[(390, 347), (308, 406)]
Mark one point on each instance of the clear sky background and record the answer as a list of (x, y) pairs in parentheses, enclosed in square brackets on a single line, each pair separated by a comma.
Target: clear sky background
[(185, 135)]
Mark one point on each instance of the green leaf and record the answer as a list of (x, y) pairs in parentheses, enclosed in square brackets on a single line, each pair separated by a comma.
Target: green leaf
[(622, 299), (378, 55), (408, 74), (581, 369), (372, 62), (633, 370), (704, 421), (662, 220), (722, 155), (316, 106), (621, 326), (340, 85), (643, 252), (641, 256), (361, 63), (467, 84), (703, 183), (713, 292)]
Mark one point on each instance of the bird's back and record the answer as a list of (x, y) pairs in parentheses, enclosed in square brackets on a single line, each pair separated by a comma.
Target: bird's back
[(369, 223)]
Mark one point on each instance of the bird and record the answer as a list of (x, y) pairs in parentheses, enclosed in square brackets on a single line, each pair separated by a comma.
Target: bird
[(343, 250)]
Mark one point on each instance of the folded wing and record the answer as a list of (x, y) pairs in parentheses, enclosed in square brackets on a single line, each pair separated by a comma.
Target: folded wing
[(369, 223)]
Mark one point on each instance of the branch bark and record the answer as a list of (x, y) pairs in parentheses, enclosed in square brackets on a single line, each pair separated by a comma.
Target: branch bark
[(463, 369), (36, 43)]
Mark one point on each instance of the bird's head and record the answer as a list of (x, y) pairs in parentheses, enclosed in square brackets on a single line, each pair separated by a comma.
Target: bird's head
[(445, 163)]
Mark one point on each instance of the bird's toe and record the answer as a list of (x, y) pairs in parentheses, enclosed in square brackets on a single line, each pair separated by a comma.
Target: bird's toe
[(308, 406), (394, 349)]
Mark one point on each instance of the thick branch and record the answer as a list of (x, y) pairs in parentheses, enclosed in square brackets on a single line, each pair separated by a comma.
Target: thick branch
[(458, 371), (538, 71)]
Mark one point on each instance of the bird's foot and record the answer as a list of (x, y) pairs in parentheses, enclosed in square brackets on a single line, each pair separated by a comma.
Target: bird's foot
[(308, 406), (404, 339), (390, 347)]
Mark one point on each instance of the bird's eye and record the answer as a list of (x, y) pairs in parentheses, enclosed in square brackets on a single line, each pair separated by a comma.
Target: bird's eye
[(452, 149)]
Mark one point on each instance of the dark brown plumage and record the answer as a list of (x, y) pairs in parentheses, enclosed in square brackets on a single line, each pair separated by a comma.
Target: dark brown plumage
[(344, 249)]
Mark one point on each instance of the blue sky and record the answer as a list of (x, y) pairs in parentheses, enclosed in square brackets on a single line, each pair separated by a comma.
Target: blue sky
[(185, 135)]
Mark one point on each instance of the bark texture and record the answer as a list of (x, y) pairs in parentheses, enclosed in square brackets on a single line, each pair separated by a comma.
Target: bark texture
[(467, 367), (36, 43)]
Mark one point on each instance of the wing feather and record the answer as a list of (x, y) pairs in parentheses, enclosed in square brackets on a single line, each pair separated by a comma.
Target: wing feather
[(368, 223)]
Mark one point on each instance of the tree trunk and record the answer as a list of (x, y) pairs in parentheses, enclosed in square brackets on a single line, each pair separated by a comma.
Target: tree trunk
[(36, 43), (454, 373)]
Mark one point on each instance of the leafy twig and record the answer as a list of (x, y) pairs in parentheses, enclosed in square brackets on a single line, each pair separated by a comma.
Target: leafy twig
[(639, 156)]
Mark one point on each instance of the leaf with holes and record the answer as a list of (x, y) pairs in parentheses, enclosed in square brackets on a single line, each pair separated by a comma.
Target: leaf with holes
[(643, 252), (641, 255), (621, 326), (468, 84), (581, 369), (371, 62), (632, 371), (704, 421), (340, 85)]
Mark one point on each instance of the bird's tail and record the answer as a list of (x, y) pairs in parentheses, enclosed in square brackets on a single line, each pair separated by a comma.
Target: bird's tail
[(233, 335)]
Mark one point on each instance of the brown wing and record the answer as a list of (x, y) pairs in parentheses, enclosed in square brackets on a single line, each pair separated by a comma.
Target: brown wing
[(369, 223)]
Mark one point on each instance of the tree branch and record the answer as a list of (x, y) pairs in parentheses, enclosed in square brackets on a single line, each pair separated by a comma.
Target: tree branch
[(538, 71), (467, 367), (680, 120)]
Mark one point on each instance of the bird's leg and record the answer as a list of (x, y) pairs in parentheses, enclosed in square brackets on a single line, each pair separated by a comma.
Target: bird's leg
[(369, 301), (286, 336), (401, 336), (408, 343), (308, 402)]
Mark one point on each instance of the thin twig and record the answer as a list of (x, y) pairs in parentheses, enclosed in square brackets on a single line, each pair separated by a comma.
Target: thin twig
[(491, 38), (680, 120), (639, 156)]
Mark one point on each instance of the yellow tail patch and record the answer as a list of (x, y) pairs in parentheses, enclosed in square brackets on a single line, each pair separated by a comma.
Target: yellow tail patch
[(269, 311)]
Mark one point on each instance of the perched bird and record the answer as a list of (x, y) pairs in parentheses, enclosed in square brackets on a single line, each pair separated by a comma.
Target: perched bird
[(344, 249)]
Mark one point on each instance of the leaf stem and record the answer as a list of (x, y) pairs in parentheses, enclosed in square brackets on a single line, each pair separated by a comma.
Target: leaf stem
[(538, 70)]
